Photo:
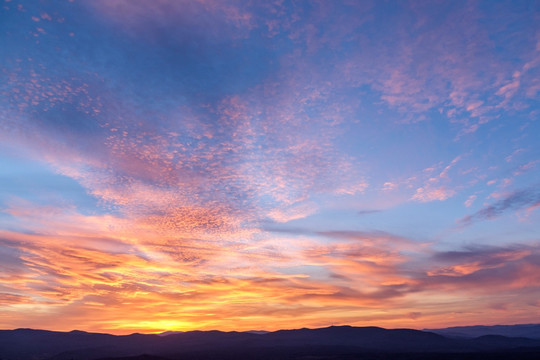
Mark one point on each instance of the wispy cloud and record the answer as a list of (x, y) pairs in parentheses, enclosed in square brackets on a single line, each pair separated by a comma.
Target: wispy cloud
[(470, 200), (434, 188), (515, 201), (478, 269), (367, 212)]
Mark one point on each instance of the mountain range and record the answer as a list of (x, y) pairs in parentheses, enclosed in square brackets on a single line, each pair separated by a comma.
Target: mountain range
[(531, 331), (335, 342)]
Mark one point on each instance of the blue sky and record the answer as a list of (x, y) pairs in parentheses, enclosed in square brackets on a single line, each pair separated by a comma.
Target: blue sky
[(268, 165)]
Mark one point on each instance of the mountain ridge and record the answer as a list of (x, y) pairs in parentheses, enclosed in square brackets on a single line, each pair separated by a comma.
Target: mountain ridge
[(319, 343), (518, 330)]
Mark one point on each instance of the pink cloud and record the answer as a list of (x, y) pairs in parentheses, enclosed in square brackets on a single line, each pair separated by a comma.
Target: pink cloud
[(294, 212), (434, 188), (470, 200), (508, 89), (389, 186), (432, 194)]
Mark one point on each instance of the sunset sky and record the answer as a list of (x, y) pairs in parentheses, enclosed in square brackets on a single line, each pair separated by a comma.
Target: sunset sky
[(239, 165)]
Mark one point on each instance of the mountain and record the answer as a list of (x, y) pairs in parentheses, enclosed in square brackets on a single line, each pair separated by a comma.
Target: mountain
[(531, 331), (167, 333), (335, 342), (259, 332)]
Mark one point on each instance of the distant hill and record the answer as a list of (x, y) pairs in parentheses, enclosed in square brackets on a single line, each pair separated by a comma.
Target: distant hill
[(167, 333), (335, 342), (531, 331)]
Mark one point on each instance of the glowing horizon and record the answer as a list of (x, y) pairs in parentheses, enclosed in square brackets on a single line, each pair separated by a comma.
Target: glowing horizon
[(237, 165)]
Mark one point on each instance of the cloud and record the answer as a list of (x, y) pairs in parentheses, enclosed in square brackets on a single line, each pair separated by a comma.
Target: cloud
[(368, 262), (484, 270), (389, 186), (367, 211), (14, 299), (470, 200), (515, 201), (293, 213), (508, 89), (427, 195), (432, 189), (414, 315), (474, 259), (200, 128), (83, 264), (369, 237)]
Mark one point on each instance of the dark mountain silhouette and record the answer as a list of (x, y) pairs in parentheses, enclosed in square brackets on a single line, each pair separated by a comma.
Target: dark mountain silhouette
[(531, 331), (335, 342), (167, 333), (140, 357)]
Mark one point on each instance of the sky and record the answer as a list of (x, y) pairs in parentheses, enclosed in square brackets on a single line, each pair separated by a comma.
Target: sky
[(240, 165)]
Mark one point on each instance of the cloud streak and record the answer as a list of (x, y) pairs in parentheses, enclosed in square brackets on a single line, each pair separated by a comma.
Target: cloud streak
[(522, 199)]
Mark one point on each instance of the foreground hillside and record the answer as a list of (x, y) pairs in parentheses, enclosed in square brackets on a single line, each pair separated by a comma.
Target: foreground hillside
[(343, 342)]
